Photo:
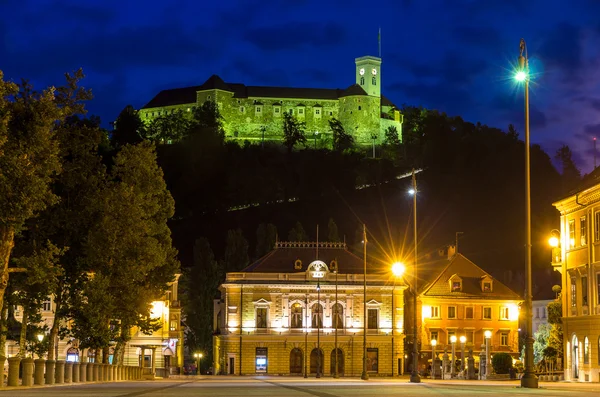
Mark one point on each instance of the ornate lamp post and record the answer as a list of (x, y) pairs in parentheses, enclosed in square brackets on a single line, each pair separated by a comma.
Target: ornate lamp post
[(488, 335), (364, 375), (463, 340), (40, 338), (433, 359), (529, 378), (453, 341), (198, 357), (319, 319), (398, 270), (336, 324)]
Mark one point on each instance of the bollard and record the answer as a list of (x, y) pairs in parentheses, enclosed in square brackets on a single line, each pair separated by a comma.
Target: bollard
[(83, 372), (27, 372), (100, 372), (38, 376), (96, 368), (76, 370), (2, 361), (121, 372), (13, 371), (113, 369), (59, 372), (105, 372), (68, 372), (50, 366), (89, 376)]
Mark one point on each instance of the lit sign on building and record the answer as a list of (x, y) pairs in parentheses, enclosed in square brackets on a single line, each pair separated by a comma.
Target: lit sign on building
[(317, 269)]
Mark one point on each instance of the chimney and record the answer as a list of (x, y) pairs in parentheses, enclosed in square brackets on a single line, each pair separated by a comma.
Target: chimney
[(451, 251)]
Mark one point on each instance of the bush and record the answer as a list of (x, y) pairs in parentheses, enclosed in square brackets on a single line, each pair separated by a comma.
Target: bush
[(502, 363)]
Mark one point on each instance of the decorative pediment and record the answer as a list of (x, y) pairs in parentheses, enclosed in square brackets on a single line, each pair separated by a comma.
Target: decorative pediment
[(487, 284), (262, 302), (373, 302), (456, 283), (317, 269)]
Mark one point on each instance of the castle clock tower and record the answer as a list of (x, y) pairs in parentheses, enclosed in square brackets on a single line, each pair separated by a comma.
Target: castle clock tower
[(368, 74)]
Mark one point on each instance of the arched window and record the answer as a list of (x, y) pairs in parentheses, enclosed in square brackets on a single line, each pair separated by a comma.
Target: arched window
[(338, 316), (374, 81), (296, 316), (317, 316), (586, 350), (362, 81), (296, 361)]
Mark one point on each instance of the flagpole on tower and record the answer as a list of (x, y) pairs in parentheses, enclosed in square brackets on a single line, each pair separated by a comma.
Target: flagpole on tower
[(379, 42)]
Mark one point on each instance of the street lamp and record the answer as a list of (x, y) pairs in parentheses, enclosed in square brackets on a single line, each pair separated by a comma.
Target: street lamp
[(463, 339), (198, 358), (336, 323), (398, 270), (316, 135), (453, 341), (554, 242), (40, 338), (414, 376), (529, 378), (488, 335), (364, 375), (319, 319), (433, 359)]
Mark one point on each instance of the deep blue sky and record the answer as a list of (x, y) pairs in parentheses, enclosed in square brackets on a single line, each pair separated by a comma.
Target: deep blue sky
[(451, 55)]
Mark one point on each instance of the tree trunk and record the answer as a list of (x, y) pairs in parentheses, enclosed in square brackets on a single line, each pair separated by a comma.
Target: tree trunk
[(7, 242), (53, 341), (23, 335), (3, 327)]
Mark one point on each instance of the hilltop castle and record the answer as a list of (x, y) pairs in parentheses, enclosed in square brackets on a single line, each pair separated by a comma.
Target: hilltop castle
[(255, 113)]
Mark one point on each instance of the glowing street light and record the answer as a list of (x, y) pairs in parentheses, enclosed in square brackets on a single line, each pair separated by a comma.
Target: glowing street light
[(488, 335), (398, 270), (529, 378), (433, 359), (453, 341), (198, 357), (414, 376), (463, 340)]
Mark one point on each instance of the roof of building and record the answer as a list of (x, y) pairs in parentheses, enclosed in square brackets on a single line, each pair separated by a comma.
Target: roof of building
[(590, 180), (435, 275), (283, 258), (187, 95)]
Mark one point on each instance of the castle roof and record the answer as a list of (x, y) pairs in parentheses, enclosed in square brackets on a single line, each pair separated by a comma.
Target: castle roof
[(187, 95), (285, 255)]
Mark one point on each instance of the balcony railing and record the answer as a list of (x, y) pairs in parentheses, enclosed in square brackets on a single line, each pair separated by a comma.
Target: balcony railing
[(311, 331)]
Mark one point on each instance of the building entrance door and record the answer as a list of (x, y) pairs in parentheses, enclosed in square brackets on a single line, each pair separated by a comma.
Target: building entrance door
[(231, 365), (296, 361)]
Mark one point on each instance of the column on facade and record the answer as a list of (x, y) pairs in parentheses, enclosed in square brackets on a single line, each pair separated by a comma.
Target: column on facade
[(349, 311), (153, 371), (285, 311)]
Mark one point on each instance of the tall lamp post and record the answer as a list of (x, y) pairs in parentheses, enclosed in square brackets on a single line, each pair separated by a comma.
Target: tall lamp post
[(319, 319), (336, 324), (198, 358), (463, 340), (529, 378), (364, 375), (433, 359), (40, 338), (398, 270), (414, 376)]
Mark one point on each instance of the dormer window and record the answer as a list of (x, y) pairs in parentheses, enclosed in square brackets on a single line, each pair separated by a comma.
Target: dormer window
[(455, 283), (486, 284)]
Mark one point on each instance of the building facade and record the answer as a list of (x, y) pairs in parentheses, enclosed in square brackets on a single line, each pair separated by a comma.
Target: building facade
[(300, 309), (255, 113), (458, 298), (159, 354), (579, 265)]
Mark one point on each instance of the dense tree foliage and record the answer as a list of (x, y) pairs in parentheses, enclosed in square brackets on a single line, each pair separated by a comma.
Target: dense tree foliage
[(293, 131)]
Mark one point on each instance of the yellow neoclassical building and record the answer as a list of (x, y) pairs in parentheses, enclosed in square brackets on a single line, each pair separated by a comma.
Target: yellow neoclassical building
[(295, 310), (578, 261)]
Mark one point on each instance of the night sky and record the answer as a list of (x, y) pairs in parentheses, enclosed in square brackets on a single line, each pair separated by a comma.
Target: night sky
[(451, 55)]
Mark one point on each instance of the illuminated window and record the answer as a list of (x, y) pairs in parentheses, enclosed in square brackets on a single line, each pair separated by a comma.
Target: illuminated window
[(338, 316), (373, 321), (487, 287), (572, 233), (487, 313), (173, 325), (47, 305), (435, 312), (456, 286), (296, 316), (433, 335), (451, 312), (504, 313), (469, 313), (586, 350), (583, 230), (504, 338), (573, 292), (261, 317), (317, 316), (584, 291)]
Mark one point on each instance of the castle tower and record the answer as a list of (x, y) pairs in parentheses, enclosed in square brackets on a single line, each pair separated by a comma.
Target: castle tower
[(368, 74)]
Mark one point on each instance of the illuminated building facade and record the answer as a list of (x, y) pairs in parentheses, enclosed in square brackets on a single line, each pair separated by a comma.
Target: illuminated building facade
[(458, 298), (281, 314), (255, 113), (579, 265)]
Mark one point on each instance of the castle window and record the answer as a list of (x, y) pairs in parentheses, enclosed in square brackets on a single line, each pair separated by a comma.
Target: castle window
[(372, 318), (242, 109), (300, 111), (208, 98), (362, 81), (331, 113), (374, 81), (359, 108), (258, 109), (261, 317), (318, 112), (277, 111)]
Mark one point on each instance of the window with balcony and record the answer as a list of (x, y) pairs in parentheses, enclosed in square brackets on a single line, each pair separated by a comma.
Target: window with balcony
[(487, 313), (296, 316), (451, 312), (583, 230), (317, 316), (338, 316), (572, 233)]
